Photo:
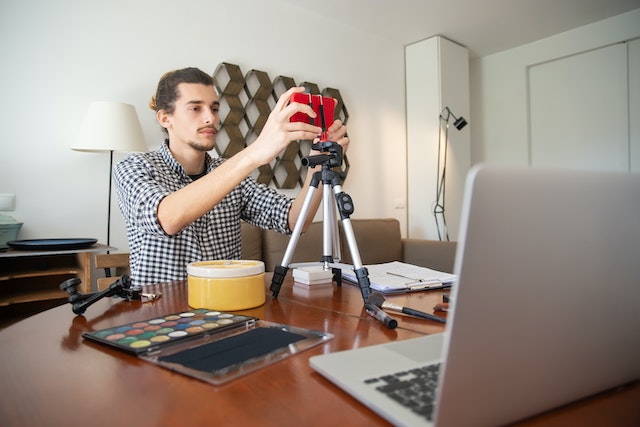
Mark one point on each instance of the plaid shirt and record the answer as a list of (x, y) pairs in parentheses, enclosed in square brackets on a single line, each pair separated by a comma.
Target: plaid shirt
[(144, 179)]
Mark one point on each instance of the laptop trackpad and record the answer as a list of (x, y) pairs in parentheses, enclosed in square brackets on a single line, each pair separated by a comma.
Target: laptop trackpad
[(421, 350)]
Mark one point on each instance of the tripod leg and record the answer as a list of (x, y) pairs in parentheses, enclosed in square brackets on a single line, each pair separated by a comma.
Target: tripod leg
[(345, 207), (329, 237), (280, 271), (333, 219)]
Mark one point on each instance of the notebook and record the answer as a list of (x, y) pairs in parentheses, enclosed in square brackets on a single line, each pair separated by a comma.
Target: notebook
[(545, 309), (398, 277)]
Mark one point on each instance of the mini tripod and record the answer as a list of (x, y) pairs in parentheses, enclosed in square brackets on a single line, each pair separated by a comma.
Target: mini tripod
[(79, 302), (330, 180)]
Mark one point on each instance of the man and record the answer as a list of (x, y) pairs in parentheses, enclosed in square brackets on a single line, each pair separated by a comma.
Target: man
[(180, 205)]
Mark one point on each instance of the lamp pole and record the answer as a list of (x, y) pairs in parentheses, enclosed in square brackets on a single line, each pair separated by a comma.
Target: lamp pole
[(109, 202), (438, 208)]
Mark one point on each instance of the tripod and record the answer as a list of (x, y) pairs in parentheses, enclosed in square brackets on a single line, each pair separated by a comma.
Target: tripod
[(330, 180), (121, 287)]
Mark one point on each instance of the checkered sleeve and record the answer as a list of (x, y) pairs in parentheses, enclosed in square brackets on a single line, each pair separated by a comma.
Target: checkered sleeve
[(265, 207), (139, 194)]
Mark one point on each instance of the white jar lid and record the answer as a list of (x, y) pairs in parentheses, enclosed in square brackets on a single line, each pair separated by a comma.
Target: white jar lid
[(225, 268)]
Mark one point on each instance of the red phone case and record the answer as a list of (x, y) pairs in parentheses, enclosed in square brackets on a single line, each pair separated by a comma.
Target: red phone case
[(317, 102)]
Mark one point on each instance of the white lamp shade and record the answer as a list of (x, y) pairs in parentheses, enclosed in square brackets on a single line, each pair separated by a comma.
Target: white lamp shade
[(110, 126)]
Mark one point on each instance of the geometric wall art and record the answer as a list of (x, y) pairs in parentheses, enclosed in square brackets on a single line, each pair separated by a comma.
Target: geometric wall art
[(246, 100)]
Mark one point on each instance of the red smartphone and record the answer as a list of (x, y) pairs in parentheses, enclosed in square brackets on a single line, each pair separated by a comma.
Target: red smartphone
[(323, 106)]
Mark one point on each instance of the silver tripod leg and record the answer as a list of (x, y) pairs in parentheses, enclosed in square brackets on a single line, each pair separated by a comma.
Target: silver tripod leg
[(345, 208), (280, 271), (297, 229), (330, 237), (349, 235)]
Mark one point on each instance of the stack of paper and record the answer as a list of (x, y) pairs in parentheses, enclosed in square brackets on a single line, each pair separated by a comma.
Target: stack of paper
[(312, 275), (399, 277)]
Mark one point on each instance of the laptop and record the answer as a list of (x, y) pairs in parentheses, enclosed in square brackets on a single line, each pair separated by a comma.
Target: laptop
[(546, 309)]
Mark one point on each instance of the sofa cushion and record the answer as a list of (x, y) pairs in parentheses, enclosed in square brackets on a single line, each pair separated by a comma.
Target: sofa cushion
[(378, 241), (308, 248), (432, 254), (251, 241)]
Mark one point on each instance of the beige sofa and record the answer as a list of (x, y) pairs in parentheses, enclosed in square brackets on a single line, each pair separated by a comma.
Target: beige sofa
[(378, 241)]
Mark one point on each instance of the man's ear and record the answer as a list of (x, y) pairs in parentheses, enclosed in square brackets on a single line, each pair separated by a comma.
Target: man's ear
[(164, 119)]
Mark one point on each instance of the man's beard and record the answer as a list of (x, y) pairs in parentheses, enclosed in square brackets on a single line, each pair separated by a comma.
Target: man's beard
[(201, 147)]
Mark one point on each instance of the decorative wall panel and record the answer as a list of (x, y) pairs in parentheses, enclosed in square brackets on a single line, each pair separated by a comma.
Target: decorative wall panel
[(246, 100)]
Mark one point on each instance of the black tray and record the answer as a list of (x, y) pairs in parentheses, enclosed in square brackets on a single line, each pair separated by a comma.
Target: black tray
[(51, 244)]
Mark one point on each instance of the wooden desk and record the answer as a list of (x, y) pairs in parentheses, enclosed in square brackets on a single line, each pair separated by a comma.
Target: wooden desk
[(51, 376)]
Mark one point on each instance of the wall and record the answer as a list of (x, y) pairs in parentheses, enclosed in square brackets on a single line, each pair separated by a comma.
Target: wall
[(501, 101), (59, 56)]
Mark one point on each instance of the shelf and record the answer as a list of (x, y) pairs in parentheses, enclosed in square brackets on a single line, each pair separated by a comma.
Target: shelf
[(30, 289), (33, 296), (40, 273), (30, 278)]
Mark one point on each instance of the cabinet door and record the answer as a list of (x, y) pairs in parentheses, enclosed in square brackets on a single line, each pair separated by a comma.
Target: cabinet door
[(578, 110)]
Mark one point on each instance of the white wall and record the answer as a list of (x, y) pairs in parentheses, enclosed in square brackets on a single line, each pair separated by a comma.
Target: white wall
[(58, 56), (500, 101)]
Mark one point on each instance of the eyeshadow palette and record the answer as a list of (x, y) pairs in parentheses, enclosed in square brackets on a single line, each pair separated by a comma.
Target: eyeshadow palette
[(150, 335), (211, 346)]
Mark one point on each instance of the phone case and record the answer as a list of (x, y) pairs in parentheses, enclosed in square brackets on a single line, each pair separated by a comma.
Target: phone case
[(322, 105)]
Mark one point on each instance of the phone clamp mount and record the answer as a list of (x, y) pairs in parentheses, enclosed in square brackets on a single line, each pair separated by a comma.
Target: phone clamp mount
[(331, 158), (121, 288)]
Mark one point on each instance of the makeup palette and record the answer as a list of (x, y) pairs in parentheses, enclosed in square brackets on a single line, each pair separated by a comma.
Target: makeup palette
[(209, 345), (150, 335)]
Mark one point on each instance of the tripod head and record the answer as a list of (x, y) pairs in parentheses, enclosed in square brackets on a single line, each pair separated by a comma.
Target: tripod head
[(79, 302), (331, 157)]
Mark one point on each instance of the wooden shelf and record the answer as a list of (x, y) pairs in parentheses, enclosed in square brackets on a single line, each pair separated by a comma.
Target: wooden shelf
[(35, 276), (32, 296), (62, 271)]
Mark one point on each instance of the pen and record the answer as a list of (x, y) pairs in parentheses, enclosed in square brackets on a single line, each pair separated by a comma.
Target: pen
[(424, 286), (403, 276), (423, 283)]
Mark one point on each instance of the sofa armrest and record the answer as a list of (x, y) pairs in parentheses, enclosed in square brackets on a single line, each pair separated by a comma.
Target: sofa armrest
[(432, 254)]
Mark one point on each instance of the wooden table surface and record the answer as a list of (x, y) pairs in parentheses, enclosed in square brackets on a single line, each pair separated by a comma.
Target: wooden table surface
[(51, 376)]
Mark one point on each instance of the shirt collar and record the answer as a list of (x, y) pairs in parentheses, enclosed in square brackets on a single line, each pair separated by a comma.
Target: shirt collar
[(165, 152)]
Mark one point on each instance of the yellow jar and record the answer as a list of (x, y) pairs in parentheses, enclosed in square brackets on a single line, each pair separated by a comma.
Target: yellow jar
[(226, 285)]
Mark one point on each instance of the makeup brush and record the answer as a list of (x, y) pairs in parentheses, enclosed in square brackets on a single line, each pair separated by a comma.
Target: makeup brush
[(373, 308), (377, 299)]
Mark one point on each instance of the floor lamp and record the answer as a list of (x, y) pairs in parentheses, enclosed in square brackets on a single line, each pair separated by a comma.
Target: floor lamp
[(443, 145), (109, 127)]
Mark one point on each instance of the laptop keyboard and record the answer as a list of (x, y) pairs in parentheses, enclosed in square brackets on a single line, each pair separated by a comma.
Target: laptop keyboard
[(414, 389)]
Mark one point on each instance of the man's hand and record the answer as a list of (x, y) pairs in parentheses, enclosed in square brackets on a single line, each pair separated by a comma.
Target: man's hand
[(278, 132)]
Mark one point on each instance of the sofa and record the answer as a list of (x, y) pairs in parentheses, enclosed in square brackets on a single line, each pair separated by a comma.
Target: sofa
[(378, 241)]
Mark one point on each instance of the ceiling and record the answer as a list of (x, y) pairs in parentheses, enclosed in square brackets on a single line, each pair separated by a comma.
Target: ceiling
[(483, 26)]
